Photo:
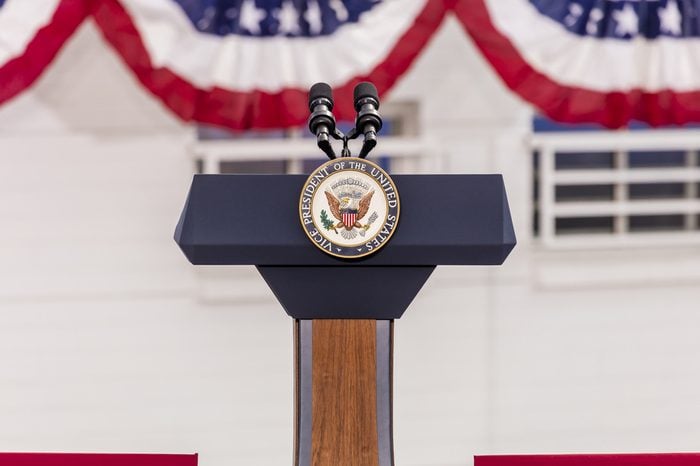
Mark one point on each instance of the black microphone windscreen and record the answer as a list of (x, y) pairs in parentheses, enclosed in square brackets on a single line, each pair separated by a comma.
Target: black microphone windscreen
[(320, 90), (365, 89)]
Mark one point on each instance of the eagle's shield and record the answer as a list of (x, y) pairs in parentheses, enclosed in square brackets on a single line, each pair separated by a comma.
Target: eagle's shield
[(349, 218)]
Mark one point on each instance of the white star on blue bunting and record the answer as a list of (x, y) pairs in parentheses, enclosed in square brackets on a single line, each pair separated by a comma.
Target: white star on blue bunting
[(624, 19), (291, 18)]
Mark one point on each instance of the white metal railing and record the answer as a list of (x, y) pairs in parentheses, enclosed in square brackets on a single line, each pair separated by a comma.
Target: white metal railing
[(619, 177), (407, 154)]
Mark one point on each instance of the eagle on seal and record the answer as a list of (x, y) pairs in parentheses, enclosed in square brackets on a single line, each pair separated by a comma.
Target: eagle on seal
[(347, 212)]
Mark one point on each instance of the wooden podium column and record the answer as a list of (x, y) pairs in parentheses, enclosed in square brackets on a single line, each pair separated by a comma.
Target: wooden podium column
[(343, 399)]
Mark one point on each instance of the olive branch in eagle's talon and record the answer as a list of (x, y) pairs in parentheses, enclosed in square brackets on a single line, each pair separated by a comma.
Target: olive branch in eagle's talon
[(328, 224)]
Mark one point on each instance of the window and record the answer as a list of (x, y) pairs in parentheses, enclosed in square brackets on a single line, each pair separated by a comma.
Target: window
[(621, 188)]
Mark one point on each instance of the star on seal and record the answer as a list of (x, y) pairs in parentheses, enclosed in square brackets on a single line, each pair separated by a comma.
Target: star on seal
[(349, 207)]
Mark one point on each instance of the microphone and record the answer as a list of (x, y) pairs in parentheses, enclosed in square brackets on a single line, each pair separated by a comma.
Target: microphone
[(322, 121), (368, 121)]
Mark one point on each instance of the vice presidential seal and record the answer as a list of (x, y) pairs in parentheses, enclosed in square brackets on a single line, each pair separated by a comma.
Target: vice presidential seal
[(349, 207)]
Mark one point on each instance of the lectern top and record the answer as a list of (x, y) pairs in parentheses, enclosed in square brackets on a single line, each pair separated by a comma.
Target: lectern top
[(254, 220)]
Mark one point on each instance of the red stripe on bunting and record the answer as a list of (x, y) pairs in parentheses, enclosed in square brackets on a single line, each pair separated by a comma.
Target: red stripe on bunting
[(88, 459), (256, 109), (19, 73), (669, 459), (570, 104)]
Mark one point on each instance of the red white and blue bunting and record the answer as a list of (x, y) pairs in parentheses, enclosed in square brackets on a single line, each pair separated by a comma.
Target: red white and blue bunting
[(249, 63), (604, 61), (31, 34)]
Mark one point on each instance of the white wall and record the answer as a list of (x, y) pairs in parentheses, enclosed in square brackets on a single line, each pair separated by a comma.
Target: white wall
[(105, 344)]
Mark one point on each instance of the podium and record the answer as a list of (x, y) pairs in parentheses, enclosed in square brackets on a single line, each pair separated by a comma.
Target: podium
[(344, 310)]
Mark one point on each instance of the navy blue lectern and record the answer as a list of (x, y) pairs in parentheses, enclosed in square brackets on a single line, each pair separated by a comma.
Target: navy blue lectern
[(344, 309)]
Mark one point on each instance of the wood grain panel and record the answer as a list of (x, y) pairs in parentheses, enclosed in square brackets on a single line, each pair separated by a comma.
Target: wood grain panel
[(344, 418)]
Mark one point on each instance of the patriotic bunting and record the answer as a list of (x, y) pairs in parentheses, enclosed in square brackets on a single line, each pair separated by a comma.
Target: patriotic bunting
[(604, 61), (31, 34), (249, 63)]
